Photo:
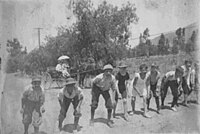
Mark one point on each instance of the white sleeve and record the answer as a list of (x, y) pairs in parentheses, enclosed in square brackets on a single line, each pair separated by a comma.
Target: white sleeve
[(59, 68), (192, 77), (60, 94), (80, 93), (137, 75)]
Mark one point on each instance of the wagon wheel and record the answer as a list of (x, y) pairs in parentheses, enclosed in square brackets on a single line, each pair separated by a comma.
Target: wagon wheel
[(47, 81)]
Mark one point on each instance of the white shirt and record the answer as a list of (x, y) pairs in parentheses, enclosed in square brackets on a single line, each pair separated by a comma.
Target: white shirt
[(105, 82), (186, 74), (192, 77), (59, 68), (63, 92), (141, 83), (34, 95)]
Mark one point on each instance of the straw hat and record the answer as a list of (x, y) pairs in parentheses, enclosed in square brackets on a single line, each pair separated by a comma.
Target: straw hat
[(36, 78), (70, 81), (108, 67), (63, 57), (122, 65)]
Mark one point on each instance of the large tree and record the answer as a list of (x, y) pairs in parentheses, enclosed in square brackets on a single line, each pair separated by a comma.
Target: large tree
[(191, 44), (16, 56), (163, 45), (102, 31)]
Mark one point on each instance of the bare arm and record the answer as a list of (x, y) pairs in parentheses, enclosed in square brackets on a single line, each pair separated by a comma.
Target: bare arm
[(80, 100), (147, 82), (24, 99), (134, 85)]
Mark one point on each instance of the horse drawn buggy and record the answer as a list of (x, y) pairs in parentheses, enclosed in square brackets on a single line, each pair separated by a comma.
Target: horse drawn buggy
[(52, 76), (81, 73)]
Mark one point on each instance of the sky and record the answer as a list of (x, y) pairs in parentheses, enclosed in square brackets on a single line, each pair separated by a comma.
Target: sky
[(158, 15)]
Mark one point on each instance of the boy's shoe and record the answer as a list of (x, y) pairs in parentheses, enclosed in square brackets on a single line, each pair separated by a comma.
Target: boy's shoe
[(114, 115), (36, 130), (158, 110), (110, 124), (126, 117), (78, 128), (75, 131), (148, 109), (91, 122), (60, 126), (177, 105), (184, 103), (147, 115), (162, 107), (132, 113), (174, 109)]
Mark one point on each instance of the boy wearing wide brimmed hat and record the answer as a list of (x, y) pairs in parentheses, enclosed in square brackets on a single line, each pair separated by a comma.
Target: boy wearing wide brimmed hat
[(154, 83), (122, 77), (140, 88), (101, 85), (70, 93), (32, 105)]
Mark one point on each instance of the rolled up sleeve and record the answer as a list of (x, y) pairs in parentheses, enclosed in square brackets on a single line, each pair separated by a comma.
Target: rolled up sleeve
[(113, 84), (80, 93), (60, 95)]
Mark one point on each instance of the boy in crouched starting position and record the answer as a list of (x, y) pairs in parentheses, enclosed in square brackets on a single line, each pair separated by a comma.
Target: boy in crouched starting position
[(70, 93), (172, 79), (32, 105)]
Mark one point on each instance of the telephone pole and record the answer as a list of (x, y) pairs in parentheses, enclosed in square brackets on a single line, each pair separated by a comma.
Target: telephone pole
[(38, 28)]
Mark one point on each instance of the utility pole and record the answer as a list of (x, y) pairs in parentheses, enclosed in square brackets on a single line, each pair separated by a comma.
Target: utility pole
[(38, 28)]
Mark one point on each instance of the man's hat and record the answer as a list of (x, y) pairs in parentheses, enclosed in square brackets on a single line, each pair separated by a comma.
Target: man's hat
[(188, 61), (63, 57), (179, 69), (122, 65), (70, 81), (143, 66), (36, 78), (153, 65), (108, 67)]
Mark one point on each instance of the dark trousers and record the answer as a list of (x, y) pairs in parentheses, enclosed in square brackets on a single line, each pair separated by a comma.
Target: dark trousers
[(65, 105), (174, 89), (186, 89), (30, 106), (153, 90), (96, 92)]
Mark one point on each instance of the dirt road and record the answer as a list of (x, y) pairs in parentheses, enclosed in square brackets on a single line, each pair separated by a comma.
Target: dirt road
[(184, 121)]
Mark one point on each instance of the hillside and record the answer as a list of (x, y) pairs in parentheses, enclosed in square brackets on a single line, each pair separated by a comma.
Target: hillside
[(166, 62), (188, 32)]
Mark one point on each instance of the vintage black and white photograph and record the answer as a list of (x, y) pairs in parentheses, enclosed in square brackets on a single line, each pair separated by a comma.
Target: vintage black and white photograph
[(99, 67)]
